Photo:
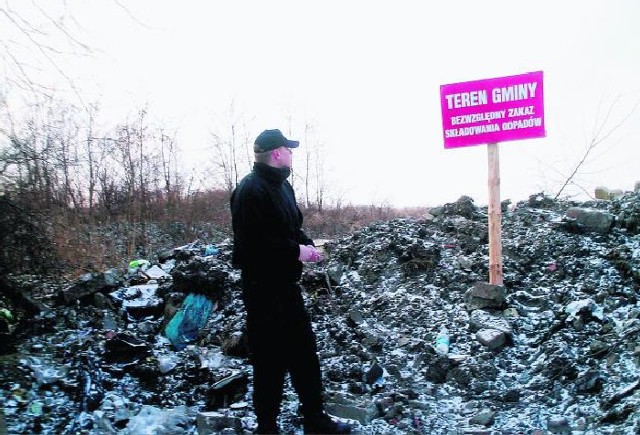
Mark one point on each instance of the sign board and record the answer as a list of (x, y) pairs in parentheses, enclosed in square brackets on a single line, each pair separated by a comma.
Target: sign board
[(492, 110)]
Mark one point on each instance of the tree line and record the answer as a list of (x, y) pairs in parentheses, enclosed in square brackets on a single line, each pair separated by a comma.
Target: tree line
[(63, 173), (56, 158), (60, 166)]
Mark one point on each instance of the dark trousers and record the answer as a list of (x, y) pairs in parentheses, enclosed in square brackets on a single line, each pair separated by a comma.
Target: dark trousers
[(281, 340)]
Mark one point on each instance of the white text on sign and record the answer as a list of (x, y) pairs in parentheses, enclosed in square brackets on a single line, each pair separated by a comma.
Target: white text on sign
[(505, 94)]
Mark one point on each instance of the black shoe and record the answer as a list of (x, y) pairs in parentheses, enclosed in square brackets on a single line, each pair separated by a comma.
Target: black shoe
[(323, 424)]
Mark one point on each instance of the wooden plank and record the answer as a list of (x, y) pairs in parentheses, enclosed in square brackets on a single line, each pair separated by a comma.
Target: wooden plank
[(495, 217)]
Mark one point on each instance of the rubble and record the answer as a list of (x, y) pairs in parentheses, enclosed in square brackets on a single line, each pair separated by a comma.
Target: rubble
[(89, 284), (553, 350)]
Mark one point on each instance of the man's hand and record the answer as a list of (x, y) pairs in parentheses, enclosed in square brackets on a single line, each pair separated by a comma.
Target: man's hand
[(309, 254)]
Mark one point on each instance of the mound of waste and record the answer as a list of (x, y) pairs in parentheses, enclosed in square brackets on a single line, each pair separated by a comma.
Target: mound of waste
[(161, 348)]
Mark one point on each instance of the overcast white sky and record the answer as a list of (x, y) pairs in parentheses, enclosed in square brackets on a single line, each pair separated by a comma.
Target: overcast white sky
[(367, 76)]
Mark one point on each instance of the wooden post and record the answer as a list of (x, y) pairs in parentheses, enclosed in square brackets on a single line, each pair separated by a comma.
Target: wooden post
[(495, 217)]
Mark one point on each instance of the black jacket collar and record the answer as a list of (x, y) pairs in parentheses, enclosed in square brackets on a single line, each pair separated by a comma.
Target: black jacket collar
[(271, 174)]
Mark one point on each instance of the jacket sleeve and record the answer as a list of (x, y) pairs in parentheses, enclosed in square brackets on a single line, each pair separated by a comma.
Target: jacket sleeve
[(301, 237)]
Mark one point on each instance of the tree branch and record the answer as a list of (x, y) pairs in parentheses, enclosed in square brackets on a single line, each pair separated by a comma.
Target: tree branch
[(597, 139)]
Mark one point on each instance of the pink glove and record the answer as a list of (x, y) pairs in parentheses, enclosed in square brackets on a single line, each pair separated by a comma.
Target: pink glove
[(309, 254)]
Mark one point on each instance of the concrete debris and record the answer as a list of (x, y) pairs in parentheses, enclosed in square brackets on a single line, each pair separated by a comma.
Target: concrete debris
[(553, 350)]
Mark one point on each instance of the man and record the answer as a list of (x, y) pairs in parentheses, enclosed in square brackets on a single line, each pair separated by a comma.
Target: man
[(269, 247)]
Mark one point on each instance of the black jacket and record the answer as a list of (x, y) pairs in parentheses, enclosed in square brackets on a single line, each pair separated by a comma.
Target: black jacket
[(267, 226)]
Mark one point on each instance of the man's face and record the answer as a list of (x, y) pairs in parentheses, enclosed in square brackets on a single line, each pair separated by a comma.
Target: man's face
[(286, 157)]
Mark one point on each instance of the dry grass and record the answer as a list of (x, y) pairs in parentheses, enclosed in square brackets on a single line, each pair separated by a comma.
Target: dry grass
[(89, 243)]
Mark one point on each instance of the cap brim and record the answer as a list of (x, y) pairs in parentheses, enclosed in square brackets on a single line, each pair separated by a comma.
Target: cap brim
[(292, 143)]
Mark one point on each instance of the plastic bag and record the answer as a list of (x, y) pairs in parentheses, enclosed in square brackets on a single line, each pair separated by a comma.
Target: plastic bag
[(187, 322)]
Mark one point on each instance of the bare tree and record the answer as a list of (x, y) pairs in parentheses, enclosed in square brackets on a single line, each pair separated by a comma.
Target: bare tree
[(40, 159), (95, 151), (172, 181), (223, 161), (130, 165), (602, 131), (230, 145), (38, 36), (9, 156), (320, 173), (307, 161), (233, 151), (247, 146), (314, 169)]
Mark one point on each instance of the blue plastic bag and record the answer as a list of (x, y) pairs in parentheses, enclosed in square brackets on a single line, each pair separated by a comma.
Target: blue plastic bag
[(189, 320), (210, 250)]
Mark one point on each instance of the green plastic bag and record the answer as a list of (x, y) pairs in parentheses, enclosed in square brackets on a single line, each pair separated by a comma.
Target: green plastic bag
[(6, 314), (138, 264)]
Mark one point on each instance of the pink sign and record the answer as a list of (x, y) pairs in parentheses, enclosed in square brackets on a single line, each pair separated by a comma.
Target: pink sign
[(492, 110)]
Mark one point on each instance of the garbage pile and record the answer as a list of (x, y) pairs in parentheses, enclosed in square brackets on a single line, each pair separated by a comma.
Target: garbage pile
[(411, 337)]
